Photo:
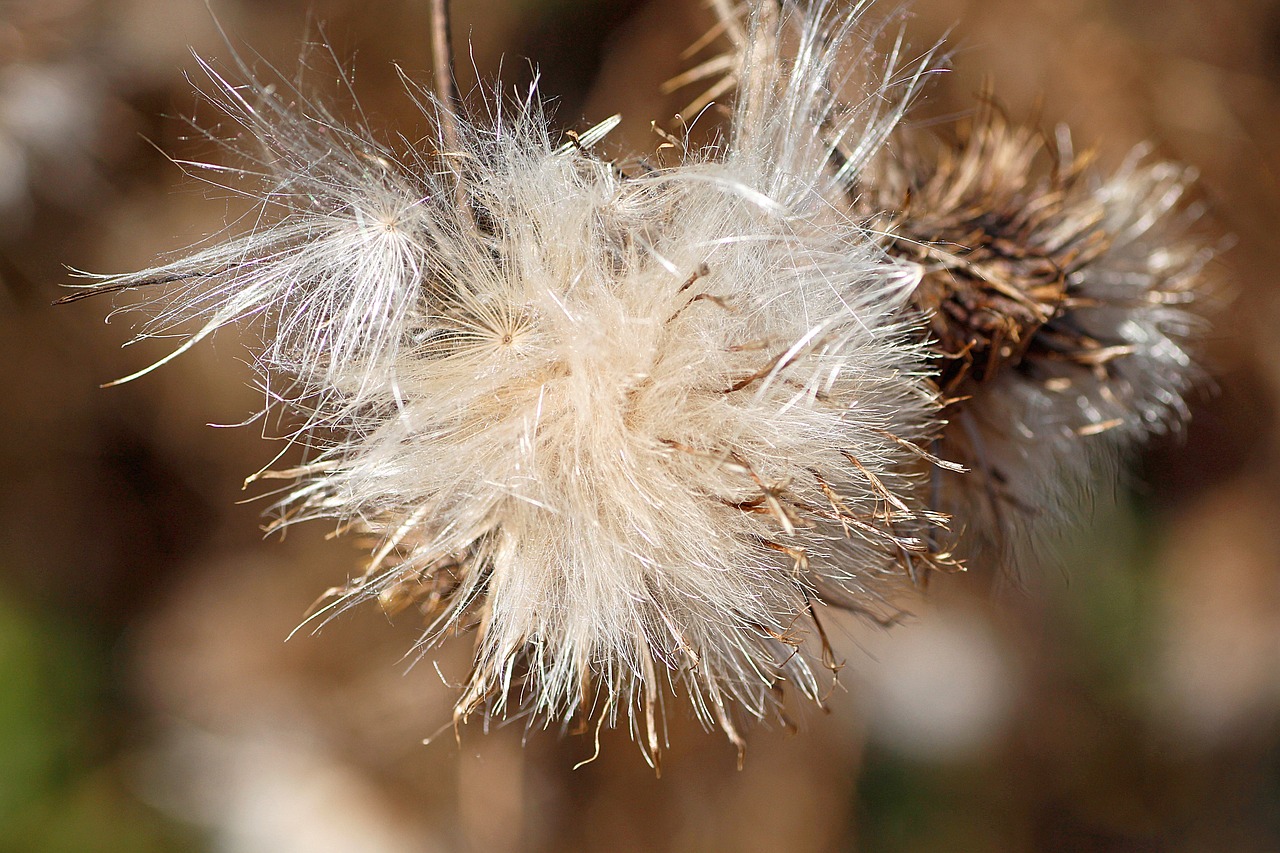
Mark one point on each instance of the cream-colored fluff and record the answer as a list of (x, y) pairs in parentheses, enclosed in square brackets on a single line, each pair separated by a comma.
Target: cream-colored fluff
[(633, 430)]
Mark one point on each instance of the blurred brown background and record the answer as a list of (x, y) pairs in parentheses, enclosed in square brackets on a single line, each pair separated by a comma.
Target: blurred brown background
[(149, 701)]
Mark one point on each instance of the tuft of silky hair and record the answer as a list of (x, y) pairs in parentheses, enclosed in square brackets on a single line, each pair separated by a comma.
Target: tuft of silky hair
[(630, 431), (1064, 306)]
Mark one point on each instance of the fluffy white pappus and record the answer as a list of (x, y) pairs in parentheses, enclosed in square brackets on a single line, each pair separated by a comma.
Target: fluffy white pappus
[(652, 423), (811, 85), (1066, 306), (633, 430), (332, 261)]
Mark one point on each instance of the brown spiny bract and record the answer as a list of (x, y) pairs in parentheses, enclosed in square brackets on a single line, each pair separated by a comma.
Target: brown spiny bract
[(1061, 307)]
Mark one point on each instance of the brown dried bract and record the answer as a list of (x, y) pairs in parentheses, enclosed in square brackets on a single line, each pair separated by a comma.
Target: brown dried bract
[(999, 235)]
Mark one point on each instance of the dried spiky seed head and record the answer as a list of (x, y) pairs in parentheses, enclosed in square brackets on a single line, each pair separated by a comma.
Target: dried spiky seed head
[(1063, 304)]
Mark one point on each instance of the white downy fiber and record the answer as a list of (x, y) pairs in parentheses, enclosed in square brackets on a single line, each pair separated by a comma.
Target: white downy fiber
[(631, 429)]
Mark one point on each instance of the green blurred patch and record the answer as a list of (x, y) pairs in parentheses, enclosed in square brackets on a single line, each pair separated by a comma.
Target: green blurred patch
[(1081, 769), (61, 787), (909, 806), (1107, 614)]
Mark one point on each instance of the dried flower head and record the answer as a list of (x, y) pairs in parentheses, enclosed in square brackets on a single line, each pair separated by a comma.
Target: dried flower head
[(1062, 308), (630, 429)]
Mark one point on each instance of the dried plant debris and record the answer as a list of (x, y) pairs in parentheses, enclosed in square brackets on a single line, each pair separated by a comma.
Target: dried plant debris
[(632, 431), (1063, 306)]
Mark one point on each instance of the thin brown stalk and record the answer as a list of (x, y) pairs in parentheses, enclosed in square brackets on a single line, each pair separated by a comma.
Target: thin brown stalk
[(446, 89)]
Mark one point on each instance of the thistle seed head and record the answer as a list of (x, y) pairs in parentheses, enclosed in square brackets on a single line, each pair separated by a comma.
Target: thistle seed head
[(1063, 306), (632, 431)]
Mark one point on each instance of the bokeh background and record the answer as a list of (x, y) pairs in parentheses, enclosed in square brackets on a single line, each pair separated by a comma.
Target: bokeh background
[(149, 701)]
